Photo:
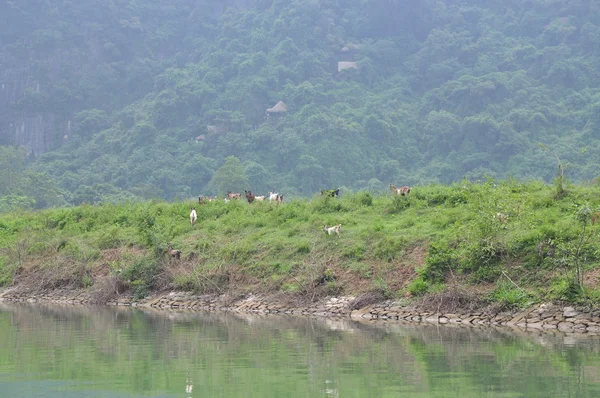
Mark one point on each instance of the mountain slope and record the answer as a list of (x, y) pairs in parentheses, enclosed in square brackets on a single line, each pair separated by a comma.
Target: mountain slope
[(434, 91)]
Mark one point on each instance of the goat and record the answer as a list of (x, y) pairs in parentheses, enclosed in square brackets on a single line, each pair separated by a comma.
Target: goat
[(331, 192), (231, 195), (273, 196), (502, 217), (279, 199), (402, 191), (260, 198), (193, 216), (173, 253), (335, 229), (203, 199), (249, 196)]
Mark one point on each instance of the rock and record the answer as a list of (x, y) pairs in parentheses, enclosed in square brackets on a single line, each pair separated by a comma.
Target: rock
[(570, 312)]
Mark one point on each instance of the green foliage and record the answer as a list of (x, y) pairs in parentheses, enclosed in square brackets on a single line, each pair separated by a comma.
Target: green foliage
[(439, 262), (167, 94), (510, 296), (231, 177), (418, 286), (142, 275), (497, 228), (389, 248)]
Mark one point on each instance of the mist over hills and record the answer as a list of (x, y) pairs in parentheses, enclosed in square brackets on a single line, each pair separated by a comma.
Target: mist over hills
[(149, 98)]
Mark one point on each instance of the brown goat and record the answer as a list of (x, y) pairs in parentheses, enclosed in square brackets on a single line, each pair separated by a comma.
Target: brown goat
[(173, 252), (402, 191)]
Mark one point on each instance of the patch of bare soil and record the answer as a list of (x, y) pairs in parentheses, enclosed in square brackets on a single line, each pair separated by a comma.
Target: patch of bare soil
[(591, 279), (396, 274)]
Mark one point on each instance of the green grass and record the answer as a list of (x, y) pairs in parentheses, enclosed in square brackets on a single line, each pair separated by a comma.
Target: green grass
[(538, 245)]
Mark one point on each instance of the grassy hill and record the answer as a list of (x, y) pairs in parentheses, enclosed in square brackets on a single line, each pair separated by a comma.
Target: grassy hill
[(507, 242)]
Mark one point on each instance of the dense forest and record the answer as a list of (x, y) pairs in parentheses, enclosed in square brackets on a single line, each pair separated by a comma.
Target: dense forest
[(178, 99)]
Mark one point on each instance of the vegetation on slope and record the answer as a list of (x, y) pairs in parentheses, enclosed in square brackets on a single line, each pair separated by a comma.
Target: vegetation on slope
[(514, 243), (444, 90)]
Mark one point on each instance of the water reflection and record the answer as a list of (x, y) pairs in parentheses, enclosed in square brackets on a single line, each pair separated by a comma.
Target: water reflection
[(52, 351)]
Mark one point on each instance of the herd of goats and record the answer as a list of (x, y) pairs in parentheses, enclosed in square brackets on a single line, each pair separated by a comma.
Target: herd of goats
[(277, 198)]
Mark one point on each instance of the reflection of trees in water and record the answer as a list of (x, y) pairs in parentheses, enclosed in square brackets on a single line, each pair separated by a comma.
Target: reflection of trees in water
[(347, 354)]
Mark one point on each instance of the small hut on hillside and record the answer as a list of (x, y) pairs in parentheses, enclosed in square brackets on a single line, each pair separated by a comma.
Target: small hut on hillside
[(279, 109), (349, 52), (347, 57), (342, 65), (217, 129)]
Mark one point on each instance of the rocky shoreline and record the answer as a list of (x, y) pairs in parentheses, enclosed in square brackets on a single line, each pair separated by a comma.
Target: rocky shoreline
[(541, 317)]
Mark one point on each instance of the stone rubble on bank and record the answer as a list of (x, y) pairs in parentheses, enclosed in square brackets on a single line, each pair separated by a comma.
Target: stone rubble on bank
[(541, 317)]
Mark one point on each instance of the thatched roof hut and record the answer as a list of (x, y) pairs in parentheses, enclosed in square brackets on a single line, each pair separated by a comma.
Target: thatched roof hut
[(351, 47), (217, 129), (279, 109), (346, 65)]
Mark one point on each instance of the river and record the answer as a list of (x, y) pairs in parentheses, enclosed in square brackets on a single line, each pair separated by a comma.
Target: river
[(99, 351)]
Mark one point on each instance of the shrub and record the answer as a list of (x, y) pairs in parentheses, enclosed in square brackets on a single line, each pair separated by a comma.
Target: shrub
[(303, 247), (327, 204), (109, 239), (439, 260), (510, 296), (142, 274), (566, 289), (356, 251), (398, 204), (418, 286), (7, 271), (390, 248), (362, 198)]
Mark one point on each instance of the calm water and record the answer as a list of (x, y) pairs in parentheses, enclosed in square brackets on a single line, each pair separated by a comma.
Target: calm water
[(70, 351)]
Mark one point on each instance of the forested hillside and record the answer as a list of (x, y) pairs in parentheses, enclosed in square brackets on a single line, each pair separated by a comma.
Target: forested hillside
[(153, 98)]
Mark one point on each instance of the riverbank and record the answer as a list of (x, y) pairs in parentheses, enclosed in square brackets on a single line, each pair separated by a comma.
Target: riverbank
[(469, 248), (546, 317)]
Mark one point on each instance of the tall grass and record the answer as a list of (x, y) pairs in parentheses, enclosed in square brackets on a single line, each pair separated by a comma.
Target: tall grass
[(538, 241)]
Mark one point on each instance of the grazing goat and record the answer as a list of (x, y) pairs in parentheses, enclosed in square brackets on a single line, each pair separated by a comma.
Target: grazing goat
[(193, 216), (231, 195), (331, 192), (173, 253), (335, 229), (273, 196), (402, 191), (502, 217), (249, 196), (203, 199), (260, 198)]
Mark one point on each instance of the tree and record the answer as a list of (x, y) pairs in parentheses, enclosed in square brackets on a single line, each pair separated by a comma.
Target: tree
[(229, 177)]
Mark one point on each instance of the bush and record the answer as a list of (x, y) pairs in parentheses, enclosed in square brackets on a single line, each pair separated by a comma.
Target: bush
[(566, 289), (142, 275), (390, 248), (398, 204), (418, 286), (327, 204), (362, 198), (510, 296), (439, 260), (356, 251)]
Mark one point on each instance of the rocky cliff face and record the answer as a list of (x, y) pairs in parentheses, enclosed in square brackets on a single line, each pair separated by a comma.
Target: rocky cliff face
[(37, 131), (38, 52)]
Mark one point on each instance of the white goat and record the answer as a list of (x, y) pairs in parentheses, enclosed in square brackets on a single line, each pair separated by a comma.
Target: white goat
[(193, 216), (335, 229)]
